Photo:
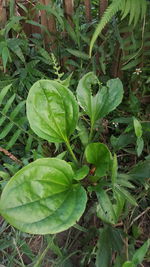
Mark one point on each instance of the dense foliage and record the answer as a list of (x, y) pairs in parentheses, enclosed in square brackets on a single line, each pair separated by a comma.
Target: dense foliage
[(74, 138)]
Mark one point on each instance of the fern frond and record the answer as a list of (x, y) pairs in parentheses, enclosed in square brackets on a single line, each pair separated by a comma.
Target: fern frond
[(138, 13), (143, 8), (126, 9), (108, 14), (133, 8), (12, 123)]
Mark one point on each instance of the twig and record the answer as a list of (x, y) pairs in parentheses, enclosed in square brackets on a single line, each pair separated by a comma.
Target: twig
[(10, 155), (135, 219)]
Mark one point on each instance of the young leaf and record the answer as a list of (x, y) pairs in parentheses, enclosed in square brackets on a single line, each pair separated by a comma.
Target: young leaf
[(104, 101), (114, 95), (140, 253), (42, 198), (81, 173), (99, 155), (137, 127), (52, 111), (128, 264), (82, 133), (84, 94)]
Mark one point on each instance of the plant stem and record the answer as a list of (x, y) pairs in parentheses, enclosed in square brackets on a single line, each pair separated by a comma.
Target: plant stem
[(71, 151), (91, 132), (43, 254)]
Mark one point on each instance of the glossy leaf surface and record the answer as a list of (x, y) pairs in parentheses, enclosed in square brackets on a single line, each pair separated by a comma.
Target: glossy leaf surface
[(52, 111), (81, 173), (104, 101), (137, 127), (128, 264), (43, 198), (99, 155)]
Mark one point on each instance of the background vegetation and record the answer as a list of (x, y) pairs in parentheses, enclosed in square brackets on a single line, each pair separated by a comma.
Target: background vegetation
[(54, 39)]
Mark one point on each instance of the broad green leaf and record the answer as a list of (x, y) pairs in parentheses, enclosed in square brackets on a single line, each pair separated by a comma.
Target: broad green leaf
[(137, 127), (42, 198), (52, 111), (98, 105), (128, 264), (99, 155), (84, 95), (81, 173), (114, 95), (83, 133), (139, 255), (105, 208)]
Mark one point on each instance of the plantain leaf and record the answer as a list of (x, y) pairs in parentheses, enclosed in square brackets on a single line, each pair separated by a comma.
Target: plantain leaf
[(104, 101), (81, 173), (99, 155), (113, 95), (42, 198), (52, 111)]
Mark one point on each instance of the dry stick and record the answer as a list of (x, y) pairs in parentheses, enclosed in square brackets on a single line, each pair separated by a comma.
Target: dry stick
[(10, 155), (140, 215)]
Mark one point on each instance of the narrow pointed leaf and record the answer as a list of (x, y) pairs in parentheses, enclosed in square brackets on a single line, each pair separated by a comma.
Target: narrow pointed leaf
[(105, 208)]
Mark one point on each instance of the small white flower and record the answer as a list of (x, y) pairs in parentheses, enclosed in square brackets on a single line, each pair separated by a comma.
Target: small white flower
[(115, 124), (137, 71)]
